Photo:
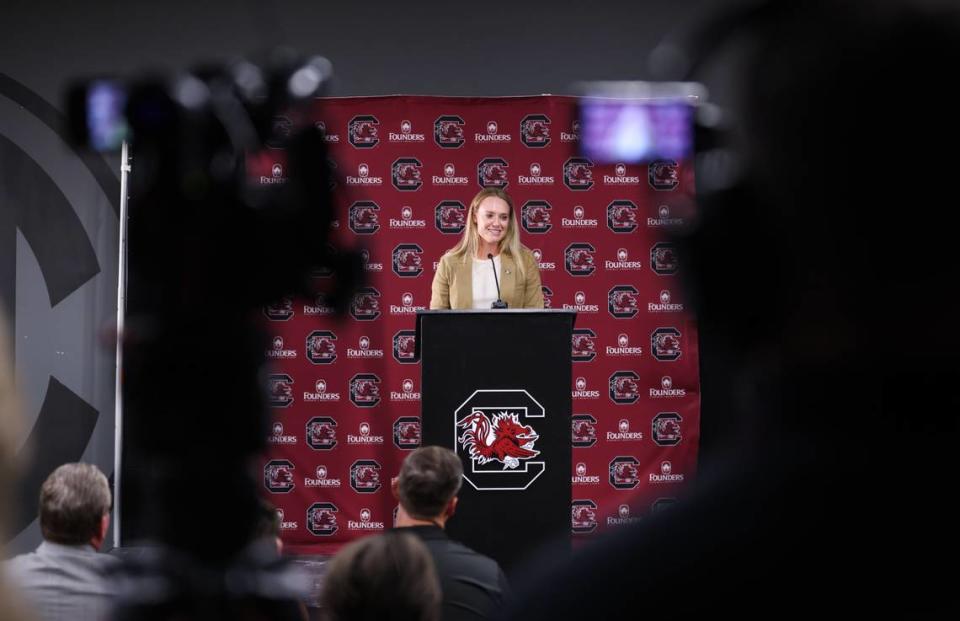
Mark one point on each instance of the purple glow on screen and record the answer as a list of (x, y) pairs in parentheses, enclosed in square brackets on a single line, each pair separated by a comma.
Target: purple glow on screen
[(635, 131)]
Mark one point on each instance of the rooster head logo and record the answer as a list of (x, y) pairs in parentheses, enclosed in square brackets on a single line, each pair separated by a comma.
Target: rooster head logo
[(363, 131), (406, 432), (535, 216), (450, 216), (322, 433), (535, 130), (492, 172), (663, 174), (583, 516), (622, 216), (583, 430), (448, 132), (495, 436), (502, 439)]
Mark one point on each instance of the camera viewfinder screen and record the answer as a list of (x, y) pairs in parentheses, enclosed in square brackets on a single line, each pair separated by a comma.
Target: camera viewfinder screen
[(633, 131), (106, 122)]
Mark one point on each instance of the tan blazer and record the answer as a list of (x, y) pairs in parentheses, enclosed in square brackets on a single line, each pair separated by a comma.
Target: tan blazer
[(453, 282)]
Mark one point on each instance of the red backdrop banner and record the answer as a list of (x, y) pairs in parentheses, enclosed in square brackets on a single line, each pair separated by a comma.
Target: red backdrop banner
[(345, 392)]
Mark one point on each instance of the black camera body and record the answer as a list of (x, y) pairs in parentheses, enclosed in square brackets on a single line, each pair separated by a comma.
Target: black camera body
[(208, 246)]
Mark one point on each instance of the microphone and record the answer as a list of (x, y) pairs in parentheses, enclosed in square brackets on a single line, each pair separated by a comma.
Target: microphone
[(498, 303)]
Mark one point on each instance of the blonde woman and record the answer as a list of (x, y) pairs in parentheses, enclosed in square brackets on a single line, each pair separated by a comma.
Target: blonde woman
[(465, 276)]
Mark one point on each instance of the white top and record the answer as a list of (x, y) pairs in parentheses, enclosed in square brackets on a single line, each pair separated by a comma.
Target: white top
[(484, 288)]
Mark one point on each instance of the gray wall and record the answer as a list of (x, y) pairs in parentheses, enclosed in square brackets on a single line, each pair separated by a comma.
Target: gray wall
[(58, 211)]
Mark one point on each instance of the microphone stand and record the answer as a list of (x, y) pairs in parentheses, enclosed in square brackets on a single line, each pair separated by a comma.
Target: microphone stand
[(498, 303)]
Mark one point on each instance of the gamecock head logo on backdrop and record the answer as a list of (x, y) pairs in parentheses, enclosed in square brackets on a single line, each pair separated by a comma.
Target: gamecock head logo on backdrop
[(406, 432), (583, 430), (321, 347), (321, 433), (666, 429), (535, 216), (407, 261), (365, 305), (278, 476), (322, 519), (622, 216), (450, 217), (578, 173), (583, 516), (365, 390), (364, 218), (624, 472), (663, 174), (448, 132), (280, 390), (280, 128), (665, 344), (583, 345), (365, 476), (492, 173), (535, 130), (364, 131), (663, 259), (495, 435), (280, 310), (624, 387), (405, 174), (405, 347), (623, 301), (578, 259)]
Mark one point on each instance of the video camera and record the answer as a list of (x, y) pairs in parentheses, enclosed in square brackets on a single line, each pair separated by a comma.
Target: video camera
[(208, 245)]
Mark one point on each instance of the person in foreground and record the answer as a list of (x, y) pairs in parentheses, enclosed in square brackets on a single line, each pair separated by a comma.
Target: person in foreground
[(66, 576), (474, 586), (388, 577), (830, 494), (11, 606), (491, 240)]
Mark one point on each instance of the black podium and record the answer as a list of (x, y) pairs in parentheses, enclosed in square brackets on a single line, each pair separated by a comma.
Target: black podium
[(496, 389)]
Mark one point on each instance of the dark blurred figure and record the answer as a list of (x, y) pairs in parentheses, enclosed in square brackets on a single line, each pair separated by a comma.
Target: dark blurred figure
[(267, 542), (12, 609), (66, 578), (387, 577), (474, 586), (822, 280), (209, 245), (267, 530)]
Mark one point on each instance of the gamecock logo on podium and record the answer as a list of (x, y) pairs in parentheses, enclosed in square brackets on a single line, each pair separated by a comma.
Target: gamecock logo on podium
[(495, 437)]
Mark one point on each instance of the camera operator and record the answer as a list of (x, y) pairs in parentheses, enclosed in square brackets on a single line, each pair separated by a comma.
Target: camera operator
[(208, 248), (842, 422)]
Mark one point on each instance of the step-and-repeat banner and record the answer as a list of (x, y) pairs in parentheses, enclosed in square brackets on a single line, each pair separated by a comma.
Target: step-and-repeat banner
[(345, 391)]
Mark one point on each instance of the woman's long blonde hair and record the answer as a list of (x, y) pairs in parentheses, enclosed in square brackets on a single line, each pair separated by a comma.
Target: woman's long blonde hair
[(509, 245)]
